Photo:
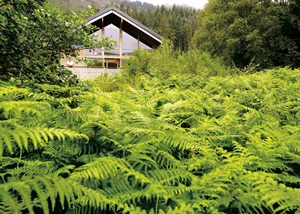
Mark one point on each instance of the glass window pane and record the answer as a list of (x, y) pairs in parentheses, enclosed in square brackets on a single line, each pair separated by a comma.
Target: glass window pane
[(129, 43), (97, 51), (113, 31)]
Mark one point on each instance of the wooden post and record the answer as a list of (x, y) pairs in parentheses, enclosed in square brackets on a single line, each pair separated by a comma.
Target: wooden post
[(103, 35), (138, 42), (121, 42)]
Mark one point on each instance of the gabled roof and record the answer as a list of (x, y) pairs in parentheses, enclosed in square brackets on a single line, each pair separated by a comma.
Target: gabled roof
[(113, 15)]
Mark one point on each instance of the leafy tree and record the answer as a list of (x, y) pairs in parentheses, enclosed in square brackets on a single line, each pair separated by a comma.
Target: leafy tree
[(290, 17), (33, 38), (246, 31)]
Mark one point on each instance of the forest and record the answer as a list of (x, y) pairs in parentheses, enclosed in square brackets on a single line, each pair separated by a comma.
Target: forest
[(206, 126)]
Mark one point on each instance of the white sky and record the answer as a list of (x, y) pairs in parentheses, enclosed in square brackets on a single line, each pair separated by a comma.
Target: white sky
[(199, 4)]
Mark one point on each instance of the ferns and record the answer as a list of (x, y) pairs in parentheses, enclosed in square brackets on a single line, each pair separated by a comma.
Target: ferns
[(215, 145), (32, 138)]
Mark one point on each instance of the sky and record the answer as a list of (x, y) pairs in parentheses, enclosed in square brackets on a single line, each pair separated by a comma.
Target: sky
[(199, 4)]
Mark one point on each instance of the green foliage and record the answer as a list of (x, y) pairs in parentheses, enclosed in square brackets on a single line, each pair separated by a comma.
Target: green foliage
[(177, 24), (244, 32), (68, 8), (186, 144), (164, 62), (33, 38)]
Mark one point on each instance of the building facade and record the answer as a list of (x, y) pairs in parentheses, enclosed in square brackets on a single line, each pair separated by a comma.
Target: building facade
[(126, 31)]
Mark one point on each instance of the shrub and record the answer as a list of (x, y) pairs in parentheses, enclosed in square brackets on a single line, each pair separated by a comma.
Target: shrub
[(164, 62)]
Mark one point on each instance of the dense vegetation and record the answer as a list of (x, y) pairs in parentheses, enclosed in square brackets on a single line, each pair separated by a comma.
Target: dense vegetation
[(176, 132), (177, 24), (262, 32), (140, 5), (68, 8), (183, 144), (33, 37)]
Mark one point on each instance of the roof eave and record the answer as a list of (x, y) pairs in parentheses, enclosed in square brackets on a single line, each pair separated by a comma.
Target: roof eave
[(125, 17)]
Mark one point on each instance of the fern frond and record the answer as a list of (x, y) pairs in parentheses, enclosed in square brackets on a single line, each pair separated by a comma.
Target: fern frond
[(274, 193), (45, 186), (96, 199), (9, 203), (140, 161), (13, 93), (17, 109), (182, 141), (26, 168), (207, 159), (170, 177), (105, 168), (133, 210), (167, 161), (38, 137)]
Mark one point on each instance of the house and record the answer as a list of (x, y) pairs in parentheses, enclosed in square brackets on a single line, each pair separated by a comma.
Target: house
[(129, 34)]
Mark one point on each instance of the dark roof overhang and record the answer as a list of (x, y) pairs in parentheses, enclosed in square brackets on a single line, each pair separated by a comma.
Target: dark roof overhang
[(114, 16)]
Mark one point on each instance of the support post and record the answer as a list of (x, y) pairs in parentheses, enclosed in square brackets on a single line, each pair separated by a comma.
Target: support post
[(138, 42), (103, 35), (121, 42)]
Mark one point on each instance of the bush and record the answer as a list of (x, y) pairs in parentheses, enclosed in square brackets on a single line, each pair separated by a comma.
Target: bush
[(164, 62)]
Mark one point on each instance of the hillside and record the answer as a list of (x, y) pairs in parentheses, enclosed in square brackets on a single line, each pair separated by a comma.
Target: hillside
[(101, 4), (81, 5)]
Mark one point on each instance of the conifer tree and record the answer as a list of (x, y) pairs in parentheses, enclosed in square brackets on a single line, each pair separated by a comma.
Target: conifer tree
[(122, 7), (149, 20), (128, 10), (142, 17), (135, 13)]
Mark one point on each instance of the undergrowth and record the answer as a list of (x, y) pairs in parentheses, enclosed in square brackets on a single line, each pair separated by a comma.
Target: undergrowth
[(183, 144)]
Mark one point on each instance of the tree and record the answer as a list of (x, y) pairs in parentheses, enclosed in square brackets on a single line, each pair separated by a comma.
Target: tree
[(122, 7), (142, 17), (165, 29), (33, 38), (135, 12), (149, 19), (94, 7), (128, 10), (245, 31), (68, 8), (290, 17)]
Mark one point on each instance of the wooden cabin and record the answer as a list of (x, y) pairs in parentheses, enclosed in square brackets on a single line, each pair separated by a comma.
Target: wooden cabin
[(126, 31)]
